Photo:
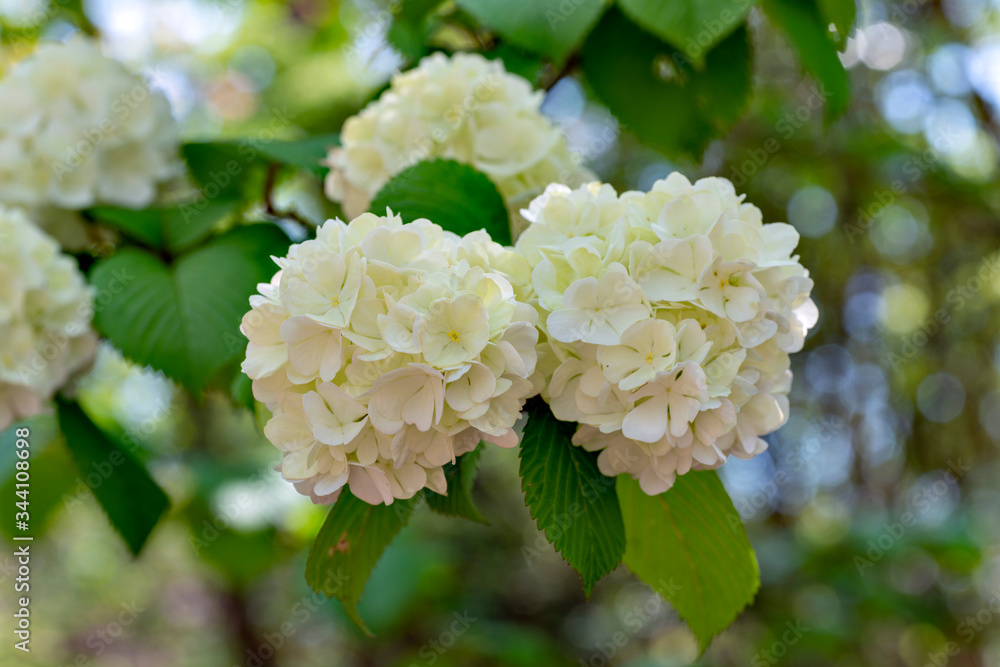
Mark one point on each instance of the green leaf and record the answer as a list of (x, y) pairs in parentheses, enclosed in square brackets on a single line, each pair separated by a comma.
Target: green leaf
[(183, 318), (241, 391), (226, 170), (552, 28), (131, 498), (302, 153), (809, 33), (411, 27), (690, 546), (174, 228), (692, 25), (349, 545), (840, 14), (447, 193), (571, 500), (664, 100), (460, 477), (142, 225)]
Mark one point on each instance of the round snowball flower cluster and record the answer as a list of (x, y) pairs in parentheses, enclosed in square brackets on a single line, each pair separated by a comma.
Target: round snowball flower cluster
[(464, 108), (45, 313), (384, 350), (669, 317), (77, 129)]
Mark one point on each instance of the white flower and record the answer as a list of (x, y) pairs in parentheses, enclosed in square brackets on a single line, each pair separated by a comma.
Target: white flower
[(78, 129), (385, 350), (45, 312), (463, 108), (669, 317)]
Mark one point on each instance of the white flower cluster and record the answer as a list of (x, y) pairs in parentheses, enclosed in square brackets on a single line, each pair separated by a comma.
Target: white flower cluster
[(669, 316), (384, 350), (45, 312), (77, 129), (464, 108)]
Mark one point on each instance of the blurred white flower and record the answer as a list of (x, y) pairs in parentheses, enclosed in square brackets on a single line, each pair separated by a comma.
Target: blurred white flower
[(45, 313), (668, 319), (78, 129), (384, 350), (463, 108)]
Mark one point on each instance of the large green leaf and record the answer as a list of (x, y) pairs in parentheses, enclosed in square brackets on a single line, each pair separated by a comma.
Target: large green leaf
[(302, 153), (689, 545), (447, 193), (460, 476), (663, 99), (131, 498), (571, 500), (552, 28), (183, 318), (693, 26), (349, 545), (809, 31), (174, 228)]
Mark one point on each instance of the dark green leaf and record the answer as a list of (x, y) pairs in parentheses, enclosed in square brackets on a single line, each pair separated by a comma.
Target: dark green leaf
[(174, 228), (658, 94), (184, 318), (242, 391), (840, 14), (809, 33), (571, 500), (460, 476), (145, 225), (690, 546), (302, 153), (411, 27), (226, 170), (447, 193), (692, 25), (552, 28), (349, 545), (130, 497)]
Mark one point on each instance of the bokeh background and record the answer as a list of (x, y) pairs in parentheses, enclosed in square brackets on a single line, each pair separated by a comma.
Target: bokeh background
[(875, 514)]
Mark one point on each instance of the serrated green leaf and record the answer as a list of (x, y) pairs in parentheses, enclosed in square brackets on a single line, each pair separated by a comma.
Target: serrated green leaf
[(552, 28), (460, 476), (183, 318), (690, 546), (447, 193), (664, 100), (809, 33), (693, 26), (133, 501), (349, 545), (571, 500)]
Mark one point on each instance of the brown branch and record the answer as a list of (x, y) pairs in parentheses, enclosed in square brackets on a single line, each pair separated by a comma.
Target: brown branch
[(269, 207)]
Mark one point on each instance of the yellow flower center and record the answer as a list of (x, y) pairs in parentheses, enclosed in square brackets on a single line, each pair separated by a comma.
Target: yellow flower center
[(454, 336), (649, 358), (335, 300)]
